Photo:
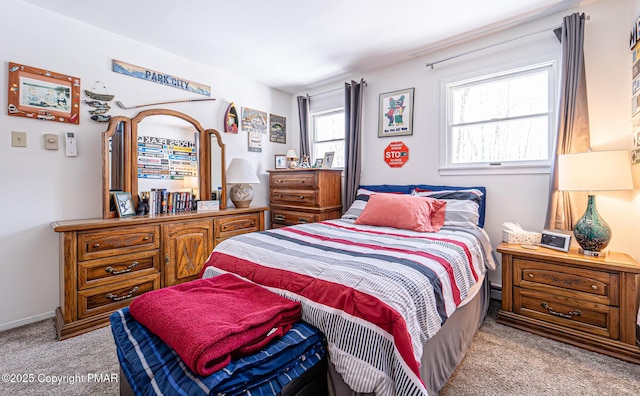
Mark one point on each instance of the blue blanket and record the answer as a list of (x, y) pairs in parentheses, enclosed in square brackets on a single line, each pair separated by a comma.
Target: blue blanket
[(152, 367)]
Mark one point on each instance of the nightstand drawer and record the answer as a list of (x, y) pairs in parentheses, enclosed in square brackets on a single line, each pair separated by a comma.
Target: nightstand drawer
[(293, 197), (597, 286), (587, 317), (293, 180), (93, 245)]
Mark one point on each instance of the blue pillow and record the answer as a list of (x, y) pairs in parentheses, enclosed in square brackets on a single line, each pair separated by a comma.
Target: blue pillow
[(481, 208), (389, 188)]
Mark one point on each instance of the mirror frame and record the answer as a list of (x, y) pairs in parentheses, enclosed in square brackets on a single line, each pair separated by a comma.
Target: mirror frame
[(130, 169)]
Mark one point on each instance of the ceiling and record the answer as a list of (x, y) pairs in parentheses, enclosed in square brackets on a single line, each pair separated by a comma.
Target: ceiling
[(293, 45)]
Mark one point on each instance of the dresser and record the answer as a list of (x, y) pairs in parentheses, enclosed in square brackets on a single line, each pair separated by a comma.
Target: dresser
[(589, 302), (306, 195), (106, 263)]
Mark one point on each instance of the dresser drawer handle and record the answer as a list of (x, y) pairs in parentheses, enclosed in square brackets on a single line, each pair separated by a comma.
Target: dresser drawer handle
[(146, 238), (112, 271), (303, 221), (279, 217), (594, 287), (568, 315), (114, 297), (97, 245), (530, 275)]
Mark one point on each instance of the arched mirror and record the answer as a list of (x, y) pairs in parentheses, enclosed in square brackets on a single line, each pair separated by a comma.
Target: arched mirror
[(162, 149)]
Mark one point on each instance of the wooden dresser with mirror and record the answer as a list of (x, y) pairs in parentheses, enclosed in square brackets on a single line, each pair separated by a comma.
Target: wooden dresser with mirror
[(106, 262)]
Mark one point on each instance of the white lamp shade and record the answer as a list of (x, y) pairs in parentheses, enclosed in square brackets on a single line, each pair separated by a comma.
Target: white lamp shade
[(595, 171), (291, 154), (241, 171)]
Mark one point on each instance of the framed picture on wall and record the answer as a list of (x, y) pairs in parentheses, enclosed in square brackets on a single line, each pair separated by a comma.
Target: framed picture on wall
[(43, 95), (395, 116)]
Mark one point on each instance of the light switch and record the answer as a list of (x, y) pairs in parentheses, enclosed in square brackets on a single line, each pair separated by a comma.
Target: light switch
[(51, 141), (18, 139)]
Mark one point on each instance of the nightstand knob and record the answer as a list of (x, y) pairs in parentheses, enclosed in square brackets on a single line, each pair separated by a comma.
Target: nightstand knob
[(594, 287), (530, 275)]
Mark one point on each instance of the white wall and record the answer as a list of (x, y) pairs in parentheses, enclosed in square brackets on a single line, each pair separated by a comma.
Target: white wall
[(517, 198), (40, 186), (634, 241)]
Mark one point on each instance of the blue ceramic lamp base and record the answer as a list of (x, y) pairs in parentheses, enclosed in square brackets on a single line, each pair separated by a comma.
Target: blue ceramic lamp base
[(592, 233)]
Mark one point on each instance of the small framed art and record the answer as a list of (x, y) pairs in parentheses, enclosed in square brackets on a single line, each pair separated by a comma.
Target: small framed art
[(124, 204), (328, 159), (396, 113), (318, 163), (281, 161)]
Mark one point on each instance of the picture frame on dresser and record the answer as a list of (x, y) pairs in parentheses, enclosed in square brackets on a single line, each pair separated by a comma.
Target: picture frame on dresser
[(124, 204), (281, 161), (327, 162)]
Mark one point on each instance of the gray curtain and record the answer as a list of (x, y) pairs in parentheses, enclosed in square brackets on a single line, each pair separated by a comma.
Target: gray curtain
[(565, 208), (303, 116), (353, 93)]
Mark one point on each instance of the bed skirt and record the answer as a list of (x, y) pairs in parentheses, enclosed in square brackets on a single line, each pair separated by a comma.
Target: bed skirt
[(442, 353)]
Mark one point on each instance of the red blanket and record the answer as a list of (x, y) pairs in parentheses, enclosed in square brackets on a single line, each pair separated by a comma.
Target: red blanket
[(209, 321)]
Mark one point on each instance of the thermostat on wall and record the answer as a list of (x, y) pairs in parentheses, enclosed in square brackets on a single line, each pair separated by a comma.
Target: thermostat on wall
[(554, 240)]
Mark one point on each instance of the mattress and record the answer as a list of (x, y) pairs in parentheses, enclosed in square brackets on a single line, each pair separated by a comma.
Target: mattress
[(150, 366), (378, 294)]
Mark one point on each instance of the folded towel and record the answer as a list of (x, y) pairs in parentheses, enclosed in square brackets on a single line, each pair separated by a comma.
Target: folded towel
[(210, 321)]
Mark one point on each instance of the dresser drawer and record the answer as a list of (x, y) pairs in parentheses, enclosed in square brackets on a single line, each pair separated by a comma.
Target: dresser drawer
[(588, 317), (108, 298), (591, 285), (235, 225), (116, 269), (94, 245), (293, 197), (293, 180), (288, 217)]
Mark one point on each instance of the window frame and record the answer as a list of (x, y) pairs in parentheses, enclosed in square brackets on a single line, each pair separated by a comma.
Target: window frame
[(312, 117), (509, 167)]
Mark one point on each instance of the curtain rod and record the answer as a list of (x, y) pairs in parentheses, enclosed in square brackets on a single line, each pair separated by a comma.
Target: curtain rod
[(431, 64), (363, 81)]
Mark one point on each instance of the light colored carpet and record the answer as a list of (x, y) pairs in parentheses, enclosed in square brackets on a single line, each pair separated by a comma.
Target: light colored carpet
[(501, 361)]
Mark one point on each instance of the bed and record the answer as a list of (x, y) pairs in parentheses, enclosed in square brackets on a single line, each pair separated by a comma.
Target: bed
[(398, 307)]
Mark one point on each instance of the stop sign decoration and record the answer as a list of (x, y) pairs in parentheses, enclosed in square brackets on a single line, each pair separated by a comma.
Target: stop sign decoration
[(396, 154)]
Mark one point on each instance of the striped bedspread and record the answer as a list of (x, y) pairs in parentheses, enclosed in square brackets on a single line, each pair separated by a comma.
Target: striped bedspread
[(376, 293)]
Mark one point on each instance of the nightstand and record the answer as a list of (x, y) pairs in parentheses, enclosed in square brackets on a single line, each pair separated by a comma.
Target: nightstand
[(589, 302)]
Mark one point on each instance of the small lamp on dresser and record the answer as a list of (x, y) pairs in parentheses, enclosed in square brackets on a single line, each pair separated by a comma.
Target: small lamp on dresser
[(240, 173), (594, 171), (292, 156)]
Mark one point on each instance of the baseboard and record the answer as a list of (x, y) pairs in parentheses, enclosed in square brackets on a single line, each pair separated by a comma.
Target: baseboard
[(26, 321)]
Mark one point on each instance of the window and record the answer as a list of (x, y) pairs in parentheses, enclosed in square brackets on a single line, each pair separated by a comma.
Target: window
[(328, 135), (503, 120)]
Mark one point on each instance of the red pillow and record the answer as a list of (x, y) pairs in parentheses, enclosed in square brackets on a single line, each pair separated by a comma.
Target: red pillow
[(407, 212)]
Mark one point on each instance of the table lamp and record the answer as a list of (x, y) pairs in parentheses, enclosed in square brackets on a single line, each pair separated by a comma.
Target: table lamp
[(594, 171), (240, 173), (292, 156)]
